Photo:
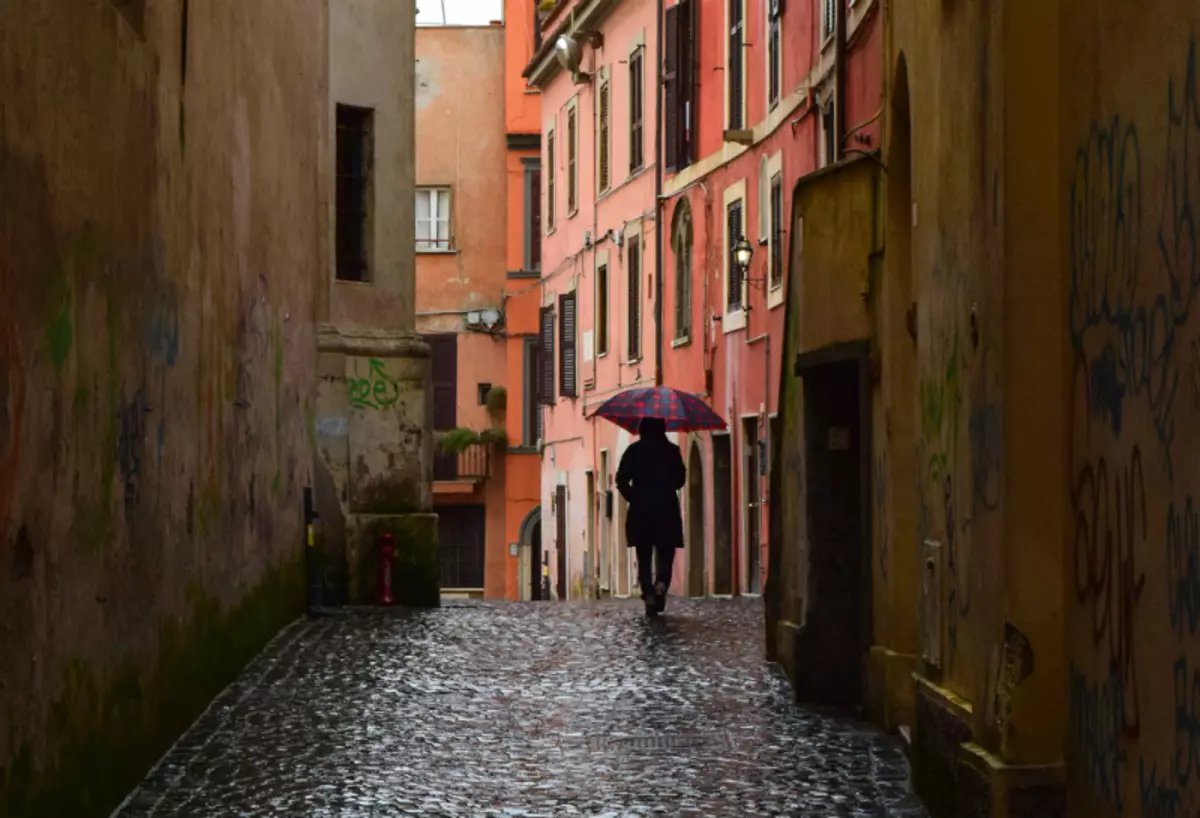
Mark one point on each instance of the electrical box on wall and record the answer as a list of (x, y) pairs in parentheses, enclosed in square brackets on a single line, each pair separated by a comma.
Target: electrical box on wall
[(930, 603)]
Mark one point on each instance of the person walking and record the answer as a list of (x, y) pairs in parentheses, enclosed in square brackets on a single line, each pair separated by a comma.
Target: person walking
[(649, 477)]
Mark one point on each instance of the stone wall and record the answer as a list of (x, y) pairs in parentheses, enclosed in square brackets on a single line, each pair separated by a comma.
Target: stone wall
[(159, 253)]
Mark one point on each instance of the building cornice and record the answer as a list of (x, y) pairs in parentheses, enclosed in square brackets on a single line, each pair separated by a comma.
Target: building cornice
[(584, 16)]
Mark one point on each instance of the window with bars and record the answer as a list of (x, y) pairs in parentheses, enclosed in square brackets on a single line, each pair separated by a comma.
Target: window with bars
[(433, 219), (567, 360), (602, 309), (636, 99), (678, 84), (734, 72), (777, 231), (546, 356), (602, 138), (774, 55), (681, 243), (572, 164), (634, 268), (828, 18), (354, 143), (733, 227), (550, 174)]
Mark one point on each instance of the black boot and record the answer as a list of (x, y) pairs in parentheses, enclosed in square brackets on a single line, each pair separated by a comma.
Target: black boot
[(660, 596)]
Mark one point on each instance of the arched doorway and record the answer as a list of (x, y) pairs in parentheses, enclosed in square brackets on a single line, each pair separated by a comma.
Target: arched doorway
[(530, 537), (696, 580)]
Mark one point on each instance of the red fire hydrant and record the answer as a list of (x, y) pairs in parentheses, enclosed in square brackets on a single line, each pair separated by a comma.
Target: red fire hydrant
[(387, 550)]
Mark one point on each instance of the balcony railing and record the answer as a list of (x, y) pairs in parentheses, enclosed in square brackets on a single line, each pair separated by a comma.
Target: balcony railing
[(469, 464)]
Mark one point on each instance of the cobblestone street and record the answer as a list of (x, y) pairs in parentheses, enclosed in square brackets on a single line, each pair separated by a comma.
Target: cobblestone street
[(524, 709)]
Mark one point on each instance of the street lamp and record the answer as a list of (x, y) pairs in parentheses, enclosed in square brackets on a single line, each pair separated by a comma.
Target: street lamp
[(743, 252)]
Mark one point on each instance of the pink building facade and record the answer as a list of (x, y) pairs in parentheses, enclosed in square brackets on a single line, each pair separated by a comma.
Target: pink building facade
[(598, 280)]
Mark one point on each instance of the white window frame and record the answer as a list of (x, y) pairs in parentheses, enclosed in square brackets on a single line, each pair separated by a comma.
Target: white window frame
[(776, 295), (572, 172), (764, 200), (731, 320), (435, 193)]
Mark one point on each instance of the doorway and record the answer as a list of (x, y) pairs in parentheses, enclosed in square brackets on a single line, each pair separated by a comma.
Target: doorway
[(753, 507), (462, 534), (837, 452), (560, 538), (695, 545), (591, 567), (722, 516), (604, 498), (535, 562)]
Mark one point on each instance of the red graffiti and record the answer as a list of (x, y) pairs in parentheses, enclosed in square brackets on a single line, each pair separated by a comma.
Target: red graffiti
[(1108, 520)]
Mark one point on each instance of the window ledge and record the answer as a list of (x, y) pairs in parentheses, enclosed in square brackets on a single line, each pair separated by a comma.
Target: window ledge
[(775, 297), (523, 449), (827, 42), (349, 282), (733, 321), (631, 362), (681, 341), (438, 252)]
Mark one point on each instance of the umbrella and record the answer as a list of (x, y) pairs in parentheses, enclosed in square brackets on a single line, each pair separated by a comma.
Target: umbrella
[(682, 411)]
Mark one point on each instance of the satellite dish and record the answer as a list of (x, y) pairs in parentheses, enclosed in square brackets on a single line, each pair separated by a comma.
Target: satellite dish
[(568, 52)]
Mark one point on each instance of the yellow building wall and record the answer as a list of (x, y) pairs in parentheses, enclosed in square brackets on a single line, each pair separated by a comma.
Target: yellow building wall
[(1130, 176)]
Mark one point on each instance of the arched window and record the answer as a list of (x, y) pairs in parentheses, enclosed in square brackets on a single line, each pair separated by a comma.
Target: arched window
[(681, 245)]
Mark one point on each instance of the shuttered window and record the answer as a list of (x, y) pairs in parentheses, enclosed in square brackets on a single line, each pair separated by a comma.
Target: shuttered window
[(567, 361), (546, 345), (635, 300), (774, 13), (636, 93), (734, 232), (602, 138), (776, 230), (734, 69), (550, 177), (678, 83), (828, 17), (602, 309), (572, 164)]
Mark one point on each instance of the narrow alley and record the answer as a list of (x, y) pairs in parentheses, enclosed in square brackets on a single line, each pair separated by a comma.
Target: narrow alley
[(483, 708)]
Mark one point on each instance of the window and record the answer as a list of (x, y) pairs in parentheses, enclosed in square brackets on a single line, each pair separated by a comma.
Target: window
[(828, 18), (567, 361), (602, 309), (681, 244), (764, 201), (774, 56), (354, 138), (550, 180), (546, 362), (733, 223), (678, 85), (634, 269), (482, 390), (531, 417), (636, 89), (602, 138), (828, 134), (433, 219), (777, 231), (533, 213), (733, 70), (572, 165)]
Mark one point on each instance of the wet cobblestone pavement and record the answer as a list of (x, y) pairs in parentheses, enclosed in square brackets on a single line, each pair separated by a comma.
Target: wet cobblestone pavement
[(533, 709)]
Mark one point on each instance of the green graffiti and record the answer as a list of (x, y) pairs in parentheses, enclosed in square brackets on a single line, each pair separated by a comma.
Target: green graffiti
[(377, 390)]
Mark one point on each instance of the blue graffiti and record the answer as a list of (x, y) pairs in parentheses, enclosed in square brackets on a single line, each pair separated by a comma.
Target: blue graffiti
[(1095, 730), (1187, 723), (1183, 567), (1158, 799), (161, 329)]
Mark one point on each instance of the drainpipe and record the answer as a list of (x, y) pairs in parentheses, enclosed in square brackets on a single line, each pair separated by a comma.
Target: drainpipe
[(839, 48), (658, 203)]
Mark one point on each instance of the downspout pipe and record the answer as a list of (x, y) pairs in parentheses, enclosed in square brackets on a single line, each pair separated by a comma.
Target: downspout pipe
[(839, 104), (659, 207)]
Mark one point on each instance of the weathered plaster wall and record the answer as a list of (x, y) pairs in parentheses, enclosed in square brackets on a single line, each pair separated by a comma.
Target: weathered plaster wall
[(160, 258), (1130, 177)]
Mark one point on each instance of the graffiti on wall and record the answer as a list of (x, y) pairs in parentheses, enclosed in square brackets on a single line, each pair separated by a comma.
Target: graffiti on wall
[(371, 387), (1135, 337)]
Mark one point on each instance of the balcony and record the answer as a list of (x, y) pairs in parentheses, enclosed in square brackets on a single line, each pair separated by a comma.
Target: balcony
[(469, 464)]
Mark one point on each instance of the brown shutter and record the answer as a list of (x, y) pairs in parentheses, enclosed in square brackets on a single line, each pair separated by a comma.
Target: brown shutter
[(734, 72), (685, 104), (566, 344), (735, 274), (634, 307), (603, 136), (444, 367), (546, 347), (671, 87)]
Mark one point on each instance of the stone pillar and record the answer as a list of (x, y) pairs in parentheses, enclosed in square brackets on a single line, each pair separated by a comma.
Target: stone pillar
[(375, 463)]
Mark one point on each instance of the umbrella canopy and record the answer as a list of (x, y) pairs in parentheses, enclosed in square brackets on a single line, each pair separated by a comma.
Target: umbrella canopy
[(681, 411)]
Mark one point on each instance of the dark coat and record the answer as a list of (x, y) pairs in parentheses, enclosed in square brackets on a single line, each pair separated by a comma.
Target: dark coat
[(650, 474)]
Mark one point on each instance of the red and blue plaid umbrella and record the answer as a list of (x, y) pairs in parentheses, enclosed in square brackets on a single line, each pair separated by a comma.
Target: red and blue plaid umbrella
[(682, 411)]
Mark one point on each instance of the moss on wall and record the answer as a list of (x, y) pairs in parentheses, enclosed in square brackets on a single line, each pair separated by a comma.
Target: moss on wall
[(415, 568), (108, 728)]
